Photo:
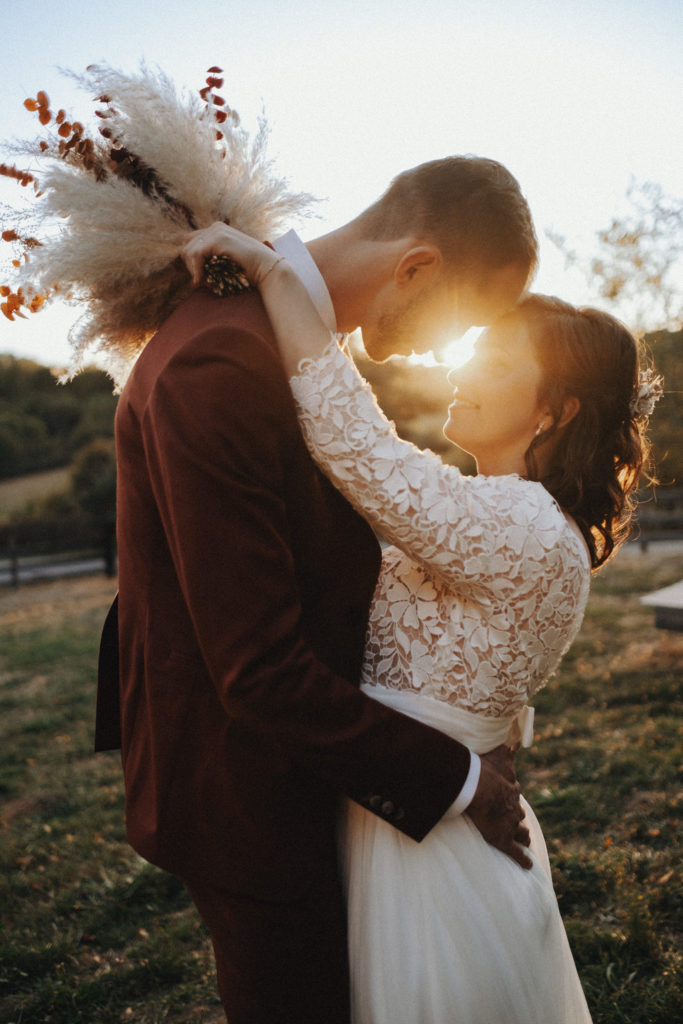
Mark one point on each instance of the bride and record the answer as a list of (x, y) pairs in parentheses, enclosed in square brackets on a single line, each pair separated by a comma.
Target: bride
[(482, 589)]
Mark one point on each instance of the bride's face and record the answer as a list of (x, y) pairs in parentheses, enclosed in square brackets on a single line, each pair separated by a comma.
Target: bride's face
[(496, 411)]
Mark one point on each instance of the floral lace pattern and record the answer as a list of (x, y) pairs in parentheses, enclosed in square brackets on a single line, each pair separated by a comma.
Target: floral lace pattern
[(485, 581)]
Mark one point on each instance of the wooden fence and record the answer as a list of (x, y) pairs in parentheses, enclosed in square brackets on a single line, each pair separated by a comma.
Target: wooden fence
[(51, 549)]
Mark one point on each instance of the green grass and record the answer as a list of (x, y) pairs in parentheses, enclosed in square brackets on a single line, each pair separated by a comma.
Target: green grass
[(92, 935), (89, 932), (604, 779)]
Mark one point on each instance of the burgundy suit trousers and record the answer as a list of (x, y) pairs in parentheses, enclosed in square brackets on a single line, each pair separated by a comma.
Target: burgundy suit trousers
[(279, 963)]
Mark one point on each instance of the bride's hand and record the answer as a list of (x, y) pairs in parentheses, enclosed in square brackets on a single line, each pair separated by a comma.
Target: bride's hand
[(220, 239), (296, 323)]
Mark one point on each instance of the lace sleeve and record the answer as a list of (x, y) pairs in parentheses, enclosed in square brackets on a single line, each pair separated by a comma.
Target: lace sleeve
[(484, 531)]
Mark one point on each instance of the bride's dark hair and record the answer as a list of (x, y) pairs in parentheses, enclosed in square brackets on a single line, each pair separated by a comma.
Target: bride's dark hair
[(599, 455)]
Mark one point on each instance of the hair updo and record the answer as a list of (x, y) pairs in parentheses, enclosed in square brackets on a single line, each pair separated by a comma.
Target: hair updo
[(598, 456)]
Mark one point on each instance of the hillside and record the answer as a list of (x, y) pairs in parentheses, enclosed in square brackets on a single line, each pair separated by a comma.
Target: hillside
[(43, 424)]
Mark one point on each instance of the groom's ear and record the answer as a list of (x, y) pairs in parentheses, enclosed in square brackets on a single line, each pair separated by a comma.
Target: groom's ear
[(418, 266)]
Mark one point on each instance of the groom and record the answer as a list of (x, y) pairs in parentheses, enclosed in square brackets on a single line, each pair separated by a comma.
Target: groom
[(245, 583)]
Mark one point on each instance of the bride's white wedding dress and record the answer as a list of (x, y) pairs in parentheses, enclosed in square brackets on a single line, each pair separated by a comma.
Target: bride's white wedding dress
[(480, 593)]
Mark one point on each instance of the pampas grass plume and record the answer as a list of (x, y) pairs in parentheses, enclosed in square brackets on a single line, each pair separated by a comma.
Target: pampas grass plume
[(111, 249)]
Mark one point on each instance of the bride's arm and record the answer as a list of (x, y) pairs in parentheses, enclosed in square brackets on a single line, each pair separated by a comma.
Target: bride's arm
[(298, 329), (483, 531)]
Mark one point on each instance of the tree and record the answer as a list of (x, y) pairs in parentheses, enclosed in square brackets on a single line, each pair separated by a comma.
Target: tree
[(93, 482), (638, 270), (43, 425), (23, 439), (639, 265), (665, 426)]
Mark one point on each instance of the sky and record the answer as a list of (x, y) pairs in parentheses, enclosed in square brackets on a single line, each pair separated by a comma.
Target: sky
[(576, 97)]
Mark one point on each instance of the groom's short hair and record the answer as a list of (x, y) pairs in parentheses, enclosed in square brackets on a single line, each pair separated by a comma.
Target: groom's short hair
[(470, 206)]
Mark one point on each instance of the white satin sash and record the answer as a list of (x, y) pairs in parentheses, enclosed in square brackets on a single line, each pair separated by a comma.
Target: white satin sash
[(476, 731)]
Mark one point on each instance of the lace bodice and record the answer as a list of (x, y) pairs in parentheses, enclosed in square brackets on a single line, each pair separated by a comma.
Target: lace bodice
[(484, 582)]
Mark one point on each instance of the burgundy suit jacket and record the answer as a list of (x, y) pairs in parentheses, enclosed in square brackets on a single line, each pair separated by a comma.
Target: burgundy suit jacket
[(244, 587)]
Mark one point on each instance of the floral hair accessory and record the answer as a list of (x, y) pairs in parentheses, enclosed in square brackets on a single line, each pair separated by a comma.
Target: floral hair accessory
[(650, 390), (108, 206)]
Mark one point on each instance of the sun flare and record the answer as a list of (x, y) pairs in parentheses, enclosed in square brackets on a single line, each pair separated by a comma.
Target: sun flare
[(459, 351), (455, 353)]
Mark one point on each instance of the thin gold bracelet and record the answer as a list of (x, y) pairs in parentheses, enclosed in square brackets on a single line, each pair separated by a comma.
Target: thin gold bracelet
[(270, 269)]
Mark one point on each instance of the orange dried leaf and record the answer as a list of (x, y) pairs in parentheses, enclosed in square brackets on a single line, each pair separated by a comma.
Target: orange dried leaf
[(4, 290), (30, 105), (9, 236), (44, 146), (12, 306), (61, 114), (45, 116), (43, 100), (16, 263), (64, 130), (215, 71)]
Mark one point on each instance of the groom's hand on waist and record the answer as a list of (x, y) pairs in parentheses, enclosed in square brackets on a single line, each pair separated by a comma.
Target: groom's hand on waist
[(496, 809)]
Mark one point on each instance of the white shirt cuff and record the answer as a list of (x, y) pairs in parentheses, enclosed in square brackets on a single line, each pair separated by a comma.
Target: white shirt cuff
[(466, 794)]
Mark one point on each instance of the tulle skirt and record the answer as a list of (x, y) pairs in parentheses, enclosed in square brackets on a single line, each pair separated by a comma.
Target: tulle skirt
[(451, 930)]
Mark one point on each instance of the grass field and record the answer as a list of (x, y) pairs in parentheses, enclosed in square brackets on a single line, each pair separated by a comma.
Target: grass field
[(15, 494), (93, 935)]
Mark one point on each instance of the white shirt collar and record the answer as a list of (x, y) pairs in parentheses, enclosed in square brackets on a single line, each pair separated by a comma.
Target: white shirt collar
[(293, 249)]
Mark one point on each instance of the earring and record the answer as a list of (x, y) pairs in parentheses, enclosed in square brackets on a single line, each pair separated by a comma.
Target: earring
[(539, 428)]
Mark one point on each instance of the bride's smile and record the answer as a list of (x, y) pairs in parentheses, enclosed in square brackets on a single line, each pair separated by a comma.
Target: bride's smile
[(461, 403)]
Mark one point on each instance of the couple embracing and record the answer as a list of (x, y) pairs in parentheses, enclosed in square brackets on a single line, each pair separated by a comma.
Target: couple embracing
[(317, 734)]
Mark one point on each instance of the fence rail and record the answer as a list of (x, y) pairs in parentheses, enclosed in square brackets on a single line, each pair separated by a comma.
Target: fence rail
[(54, 549), (31, 569)]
